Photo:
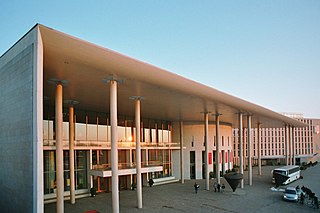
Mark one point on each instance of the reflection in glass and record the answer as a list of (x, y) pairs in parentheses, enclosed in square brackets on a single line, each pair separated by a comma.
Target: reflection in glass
[(80, 131), (92, 132), (154, 135), (65, 133), (49, 172), (102, 133), (121, 133), (81, 169), (146, 135), (160, 136), (128, 134), (165, 136), (45, 130)]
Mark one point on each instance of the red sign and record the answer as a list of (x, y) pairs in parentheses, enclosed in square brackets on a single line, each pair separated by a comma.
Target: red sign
[(210, 158)]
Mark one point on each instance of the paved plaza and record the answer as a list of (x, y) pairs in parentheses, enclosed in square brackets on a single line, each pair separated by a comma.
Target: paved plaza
[(178, 197)]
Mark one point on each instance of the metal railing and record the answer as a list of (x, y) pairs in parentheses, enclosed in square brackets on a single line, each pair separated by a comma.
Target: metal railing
[(107, 166), (107, 144)]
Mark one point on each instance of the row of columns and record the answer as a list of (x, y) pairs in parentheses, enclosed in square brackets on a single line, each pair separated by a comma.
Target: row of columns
[(289, 145), (114, 148), (249, 149), (206, 138), (206, 121)]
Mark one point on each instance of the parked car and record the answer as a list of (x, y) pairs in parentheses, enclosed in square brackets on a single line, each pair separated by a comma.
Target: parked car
[(290, 194)]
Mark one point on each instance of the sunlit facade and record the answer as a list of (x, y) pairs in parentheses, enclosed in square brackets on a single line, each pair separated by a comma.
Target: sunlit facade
[(305, 143), (70, 111), (93, 151)]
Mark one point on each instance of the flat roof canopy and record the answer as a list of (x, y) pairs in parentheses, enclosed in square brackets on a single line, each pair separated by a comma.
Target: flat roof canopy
[(167, 96)]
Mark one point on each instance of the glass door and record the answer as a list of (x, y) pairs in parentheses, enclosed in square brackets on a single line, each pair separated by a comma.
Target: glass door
[(192, 164)]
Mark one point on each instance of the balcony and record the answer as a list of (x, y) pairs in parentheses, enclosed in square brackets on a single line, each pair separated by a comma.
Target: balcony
[(107, 144), (104, 170), (91, 135)]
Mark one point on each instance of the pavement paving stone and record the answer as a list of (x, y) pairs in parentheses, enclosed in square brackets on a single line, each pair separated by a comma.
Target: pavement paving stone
[(177, 197)]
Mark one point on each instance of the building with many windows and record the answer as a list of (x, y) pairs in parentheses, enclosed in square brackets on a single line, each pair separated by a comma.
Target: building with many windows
[(303, 144), (75, 116)]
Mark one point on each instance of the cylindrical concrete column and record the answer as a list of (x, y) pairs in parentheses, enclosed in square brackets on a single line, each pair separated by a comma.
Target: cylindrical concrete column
[(259, 150), (181, 153), (241, 147), (114, 146), (249, 151), (71, 154), (206, 129), (138, 153), (229, 159), (59, 148), (291, 145), (90, 167), (287, 145), (217, 148)]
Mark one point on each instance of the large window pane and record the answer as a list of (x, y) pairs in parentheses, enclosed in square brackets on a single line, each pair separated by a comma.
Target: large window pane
[(81, 170), (49, 174), (154, 136), (49, 182), (81, 160), (109, 133), (102, 133), (65, 131), (146, 135), (81, 179), (80, 131), (165, 136), (92, 132), (129, 135), (121, 134), (45, 130), (50, 130), (160, 136)]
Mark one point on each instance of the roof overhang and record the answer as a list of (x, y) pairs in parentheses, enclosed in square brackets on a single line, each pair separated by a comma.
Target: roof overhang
[(167, 96)]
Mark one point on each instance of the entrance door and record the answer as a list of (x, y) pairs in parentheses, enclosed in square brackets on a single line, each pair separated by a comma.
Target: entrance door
[(203, 166), (214, 162), (192, 164)]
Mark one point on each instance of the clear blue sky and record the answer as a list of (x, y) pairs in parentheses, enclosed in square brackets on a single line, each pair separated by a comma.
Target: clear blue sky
[(266, 52)]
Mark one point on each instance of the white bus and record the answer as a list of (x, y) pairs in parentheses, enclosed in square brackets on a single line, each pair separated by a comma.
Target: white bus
[(293, 172)]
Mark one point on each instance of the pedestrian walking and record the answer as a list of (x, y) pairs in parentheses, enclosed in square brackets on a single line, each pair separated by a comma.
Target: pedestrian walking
[(302, 198), (218, 186), (196, 187), (215, 186), (223, 187)]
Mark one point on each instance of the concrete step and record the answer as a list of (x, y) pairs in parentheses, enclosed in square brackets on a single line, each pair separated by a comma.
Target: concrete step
[(161, 181)]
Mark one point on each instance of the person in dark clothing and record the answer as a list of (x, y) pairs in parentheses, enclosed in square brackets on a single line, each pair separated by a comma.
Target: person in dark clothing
[(223, 187), (215, 186), (301, 198), (151, 182), (218, 187), (315, 202), (196, 187)]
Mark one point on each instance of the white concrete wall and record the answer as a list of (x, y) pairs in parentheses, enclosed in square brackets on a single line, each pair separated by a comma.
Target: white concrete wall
[(195, 132), (176, 164)]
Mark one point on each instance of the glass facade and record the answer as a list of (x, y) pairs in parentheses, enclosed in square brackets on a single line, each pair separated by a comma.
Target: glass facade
[(49, 169), (94, 129), (93, 135), (49, 162)]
